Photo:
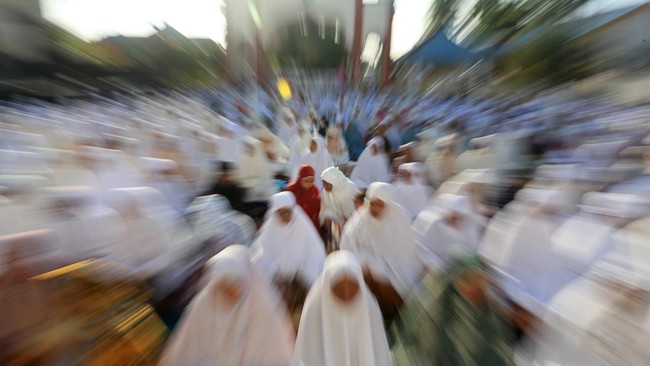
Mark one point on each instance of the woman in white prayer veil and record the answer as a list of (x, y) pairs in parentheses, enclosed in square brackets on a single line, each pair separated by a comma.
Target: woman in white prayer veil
[(447, 228), (286, 126), (411, 191), (289, 251), (288, 246), (532, 265), (336, 146), (299, 145), (229, 142), (604, 317), (337, 197), (237, 319), (372, 165), (341, 323), (253, 172), (588, 235), (381, 237), (317, 157)]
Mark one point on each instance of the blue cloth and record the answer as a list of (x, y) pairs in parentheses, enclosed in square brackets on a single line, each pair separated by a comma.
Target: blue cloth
[(354, 140)]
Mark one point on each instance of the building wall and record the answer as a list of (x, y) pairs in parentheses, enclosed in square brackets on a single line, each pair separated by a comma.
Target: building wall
[(622, 43), (20, 35)]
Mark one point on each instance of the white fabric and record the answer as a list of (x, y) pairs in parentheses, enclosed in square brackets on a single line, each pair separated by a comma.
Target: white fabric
[(335, 334), (299, 145), (370, 167), (253, 172), (597, 320), (386, 246), (339, 203), (414, 194), (286, 127), (271, 143), (253, 332), (145, 242), (289, 250), (498, 240), (320, 160), (337, 146), (439, 238), (532, 262), (229, 144), (70, 236)]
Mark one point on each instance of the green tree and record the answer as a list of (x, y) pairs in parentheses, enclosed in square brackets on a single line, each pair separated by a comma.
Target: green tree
[(505, 19), (550, 60), (441, 13), (309, 49)]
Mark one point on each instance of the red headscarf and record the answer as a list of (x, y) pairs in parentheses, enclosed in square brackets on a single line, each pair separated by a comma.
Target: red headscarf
[(308, 199)]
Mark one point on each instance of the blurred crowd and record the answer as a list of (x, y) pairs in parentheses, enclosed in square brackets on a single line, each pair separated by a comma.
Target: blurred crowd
[(337, 227)]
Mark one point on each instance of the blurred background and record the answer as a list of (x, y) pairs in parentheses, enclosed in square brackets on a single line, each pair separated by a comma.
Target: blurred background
[(66, 47), (139, 138)]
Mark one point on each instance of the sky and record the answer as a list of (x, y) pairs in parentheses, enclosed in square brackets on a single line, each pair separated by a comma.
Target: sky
[(96, 19)]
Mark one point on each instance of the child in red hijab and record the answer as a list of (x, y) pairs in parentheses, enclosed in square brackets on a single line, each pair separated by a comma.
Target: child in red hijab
[(307, 195)]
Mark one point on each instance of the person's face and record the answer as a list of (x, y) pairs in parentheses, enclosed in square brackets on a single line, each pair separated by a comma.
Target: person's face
[(313, 147), (327, 186), (454, 219), (230, 291), (250, 150), (404, 176), (307, 182), (285, 215), (345, 289), (331, 139), (227, 176), (374, 149), (377, 208), (472, 286), (358, 203)]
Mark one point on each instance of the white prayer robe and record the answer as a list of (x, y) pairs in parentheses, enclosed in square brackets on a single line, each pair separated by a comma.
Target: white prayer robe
[(335, 334), (255, 331)]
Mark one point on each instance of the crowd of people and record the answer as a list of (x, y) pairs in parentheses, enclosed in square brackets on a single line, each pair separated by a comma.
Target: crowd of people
[(341, 227)]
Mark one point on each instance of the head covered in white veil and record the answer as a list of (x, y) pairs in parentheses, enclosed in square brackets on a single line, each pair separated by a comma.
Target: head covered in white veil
[(411, 190), (384, 244), (372, 165), (237, 319), (337, 203), (289, 249), (337, 333), (337, 146), (319, 159)]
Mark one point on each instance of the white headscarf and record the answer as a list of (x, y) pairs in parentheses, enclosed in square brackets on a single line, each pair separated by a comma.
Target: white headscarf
[(386, 245), (532, 263), (371, 168), (289, 250), (591, 322), (339, 203), (413, 195), (255, 331), (335, 334), (229, 142), (254, 173), (320, 160), (337, 148), (299, 145), (286, 132), (434, 234)]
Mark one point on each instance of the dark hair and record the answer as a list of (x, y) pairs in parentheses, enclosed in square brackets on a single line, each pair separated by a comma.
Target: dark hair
[(361, 195), (388, 149), (226, 166)]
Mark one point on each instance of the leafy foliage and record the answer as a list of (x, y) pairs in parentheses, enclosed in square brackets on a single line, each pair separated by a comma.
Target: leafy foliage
[(310, 50)]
